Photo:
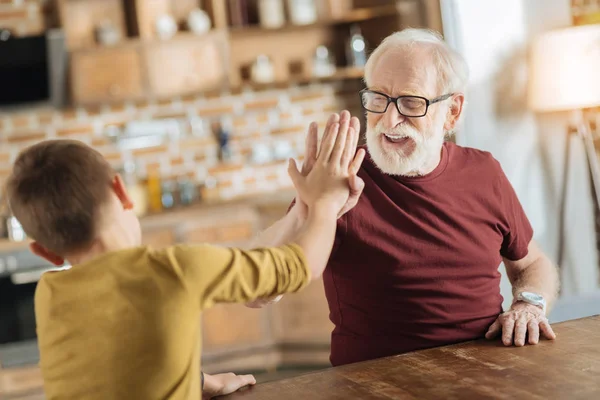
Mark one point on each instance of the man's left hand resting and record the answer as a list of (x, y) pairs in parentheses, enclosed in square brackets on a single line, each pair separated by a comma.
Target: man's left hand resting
[(522, 319)]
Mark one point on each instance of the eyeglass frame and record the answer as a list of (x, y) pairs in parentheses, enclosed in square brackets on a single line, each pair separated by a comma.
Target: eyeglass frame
[(395, 101)]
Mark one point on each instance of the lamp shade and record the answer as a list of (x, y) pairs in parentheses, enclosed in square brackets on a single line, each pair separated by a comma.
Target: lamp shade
[(565, 69)]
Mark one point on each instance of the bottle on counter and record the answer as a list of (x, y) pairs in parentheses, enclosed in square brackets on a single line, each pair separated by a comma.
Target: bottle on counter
[(210, 191), (187, 191), (223, 134), (168, 195), (153, 186), (357, 48)]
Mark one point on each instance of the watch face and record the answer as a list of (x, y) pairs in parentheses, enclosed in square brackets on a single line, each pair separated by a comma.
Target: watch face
[(532, 296)]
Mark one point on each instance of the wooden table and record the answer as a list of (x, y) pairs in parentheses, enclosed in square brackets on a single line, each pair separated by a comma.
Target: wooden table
[(567, 368)]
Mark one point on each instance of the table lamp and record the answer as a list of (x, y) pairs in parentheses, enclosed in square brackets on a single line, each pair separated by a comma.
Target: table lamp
[(565, 76)]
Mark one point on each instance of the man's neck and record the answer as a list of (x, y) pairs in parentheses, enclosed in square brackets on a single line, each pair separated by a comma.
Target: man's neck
[(428, 166)]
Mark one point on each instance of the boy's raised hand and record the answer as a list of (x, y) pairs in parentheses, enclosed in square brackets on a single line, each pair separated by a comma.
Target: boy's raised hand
[(312, 151), (326, 183)]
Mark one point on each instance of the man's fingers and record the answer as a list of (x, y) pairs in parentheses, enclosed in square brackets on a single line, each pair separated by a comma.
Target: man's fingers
[(294, 174), (328, 143), (493, 330), (547, 331), (508, 328), (520, 331), (349, 149), (355, 124), (345, 117), (356, 185), (259, 303), (332, 120), (312, 148), (342, 136), (357, 162), (533, 331)]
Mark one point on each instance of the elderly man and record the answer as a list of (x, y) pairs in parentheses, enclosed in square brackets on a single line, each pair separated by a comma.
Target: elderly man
[(415, 264)]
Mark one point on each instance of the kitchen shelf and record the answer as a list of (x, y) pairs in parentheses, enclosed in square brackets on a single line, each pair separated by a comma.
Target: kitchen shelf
[(341, 74), (356, 15)]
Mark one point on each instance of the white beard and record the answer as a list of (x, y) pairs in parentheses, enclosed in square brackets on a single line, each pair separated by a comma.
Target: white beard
[(396, 162)]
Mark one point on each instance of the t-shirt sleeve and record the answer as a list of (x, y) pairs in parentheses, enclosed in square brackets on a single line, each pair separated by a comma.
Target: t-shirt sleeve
[(229, 275), (517, 229)]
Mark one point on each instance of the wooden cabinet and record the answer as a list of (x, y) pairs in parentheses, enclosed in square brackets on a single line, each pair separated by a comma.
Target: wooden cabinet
[(81, 18), (303, 317), (106, 75), (155, 69), (147, 12), (188, 64), (225, 226), (234, 327), (159, 238)]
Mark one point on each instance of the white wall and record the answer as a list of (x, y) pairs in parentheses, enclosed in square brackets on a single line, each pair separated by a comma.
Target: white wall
[(494, 35)]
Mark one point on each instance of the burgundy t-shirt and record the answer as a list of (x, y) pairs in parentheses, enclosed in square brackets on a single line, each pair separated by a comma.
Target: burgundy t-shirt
[(415, 264)]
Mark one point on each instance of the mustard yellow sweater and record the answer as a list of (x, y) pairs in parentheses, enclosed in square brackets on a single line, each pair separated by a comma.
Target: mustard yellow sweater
[(126, 325)]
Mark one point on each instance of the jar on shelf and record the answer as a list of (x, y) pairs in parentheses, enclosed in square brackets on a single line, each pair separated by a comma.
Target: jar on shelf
[(262, 70), (302, 12), (271, 13)]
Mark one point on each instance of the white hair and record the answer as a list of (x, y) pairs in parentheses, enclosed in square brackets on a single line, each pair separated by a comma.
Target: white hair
[(451, 67)]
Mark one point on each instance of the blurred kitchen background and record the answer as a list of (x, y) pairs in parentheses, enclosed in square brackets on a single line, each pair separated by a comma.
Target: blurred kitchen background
[(199, 103)]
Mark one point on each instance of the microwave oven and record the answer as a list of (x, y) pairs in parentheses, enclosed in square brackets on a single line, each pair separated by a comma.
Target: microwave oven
[(33, 70)]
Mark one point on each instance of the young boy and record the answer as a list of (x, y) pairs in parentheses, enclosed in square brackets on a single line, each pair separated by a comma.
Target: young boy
[(123, 321)]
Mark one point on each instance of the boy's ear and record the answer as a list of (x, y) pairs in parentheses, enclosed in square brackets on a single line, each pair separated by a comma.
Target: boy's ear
[(46, 254), (121, 192)]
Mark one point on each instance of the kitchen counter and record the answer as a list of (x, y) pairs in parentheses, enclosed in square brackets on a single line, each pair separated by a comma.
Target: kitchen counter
[(567, 368)]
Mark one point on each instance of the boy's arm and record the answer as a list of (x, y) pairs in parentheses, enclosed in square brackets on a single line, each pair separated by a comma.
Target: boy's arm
[(218, 274), (215, 274), (292, 223)]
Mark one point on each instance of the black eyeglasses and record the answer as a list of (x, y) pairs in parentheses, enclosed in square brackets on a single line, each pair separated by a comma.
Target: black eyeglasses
[(409, 106)]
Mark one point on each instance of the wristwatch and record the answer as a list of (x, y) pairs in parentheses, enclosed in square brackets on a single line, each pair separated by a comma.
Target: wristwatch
[(534, 299)]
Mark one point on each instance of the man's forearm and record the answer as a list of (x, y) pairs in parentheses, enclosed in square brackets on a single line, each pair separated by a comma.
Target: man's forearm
[(280, 233), (540, 277)]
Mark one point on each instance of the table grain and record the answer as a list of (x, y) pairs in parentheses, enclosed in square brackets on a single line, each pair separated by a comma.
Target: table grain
[(565, 368)]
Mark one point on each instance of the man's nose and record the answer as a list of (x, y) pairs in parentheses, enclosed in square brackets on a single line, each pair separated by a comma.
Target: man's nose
[(392, 117)]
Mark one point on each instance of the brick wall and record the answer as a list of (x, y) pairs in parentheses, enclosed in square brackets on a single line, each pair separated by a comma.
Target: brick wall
[(263, 117), (26, 17)]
